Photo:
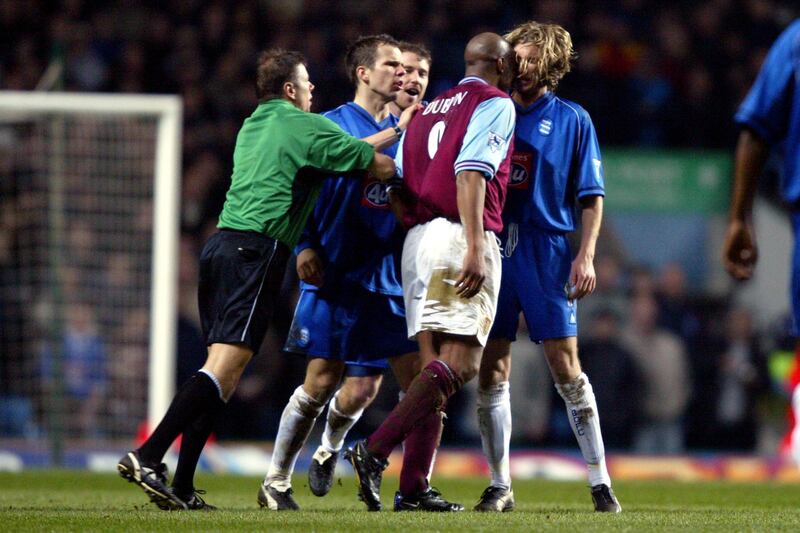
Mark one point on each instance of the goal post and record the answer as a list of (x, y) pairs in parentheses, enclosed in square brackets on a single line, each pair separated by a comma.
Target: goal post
[(109, 131)]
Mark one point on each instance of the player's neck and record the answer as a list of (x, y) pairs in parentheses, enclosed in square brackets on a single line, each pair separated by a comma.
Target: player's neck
[(528, 100), (373, 103), (394, 109)]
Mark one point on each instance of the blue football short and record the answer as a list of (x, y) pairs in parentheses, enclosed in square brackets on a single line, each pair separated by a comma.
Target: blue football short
[(360, 327), (536, 266)]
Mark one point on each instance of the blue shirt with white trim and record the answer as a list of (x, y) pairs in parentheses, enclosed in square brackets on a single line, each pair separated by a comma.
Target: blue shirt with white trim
[(772, 107), (352, 227), (556, 161)]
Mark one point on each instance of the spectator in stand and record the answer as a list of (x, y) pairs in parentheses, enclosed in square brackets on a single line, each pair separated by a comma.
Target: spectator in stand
[(661, 359), (617, 379)]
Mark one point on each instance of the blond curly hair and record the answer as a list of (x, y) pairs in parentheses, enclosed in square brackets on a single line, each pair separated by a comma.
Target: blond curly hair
[(555, 50)]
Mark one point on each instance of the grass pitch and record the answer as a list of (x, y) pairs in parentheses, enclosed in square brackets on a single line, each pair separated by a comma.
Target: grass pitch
[(79, 501)]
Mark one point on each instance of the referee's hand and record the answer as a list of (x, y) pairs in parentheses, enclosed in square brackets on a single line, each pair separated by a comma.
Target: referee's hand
[(309, 267)]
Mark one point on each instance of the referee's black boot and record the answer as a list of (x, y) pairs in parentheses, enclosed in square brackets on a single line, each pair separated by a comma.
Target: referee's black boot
[(152, 479)]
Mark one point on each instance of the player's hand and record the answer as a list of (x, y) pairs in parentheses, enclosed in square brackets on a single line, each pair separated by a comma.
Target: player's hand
[(309, 267), (740, 253), (473, 273), (582, 278), (407, 114)]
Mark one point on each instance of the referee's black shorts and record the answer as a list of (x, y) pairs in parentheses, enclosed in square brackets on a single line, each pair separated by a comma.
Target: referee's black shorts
[(240, 276)]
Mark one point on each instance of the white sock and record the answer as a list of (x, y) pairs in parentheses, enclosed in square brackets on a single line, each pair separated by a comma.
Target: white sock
[(585, 421), (337, 425), (297, 421), (494, 421)]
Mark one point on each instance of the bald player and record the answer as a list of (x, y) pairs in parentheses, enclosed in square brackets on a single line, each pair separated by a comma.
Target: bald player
[(459, 147)]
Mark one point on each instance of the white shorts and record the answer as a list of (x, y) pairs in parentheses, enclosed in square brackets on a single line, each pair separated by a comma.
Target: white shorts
[(433, 256)]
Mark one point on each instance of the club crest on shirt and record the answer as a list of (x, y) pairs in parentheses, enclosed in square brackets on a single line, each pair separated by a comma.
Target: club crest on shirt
[(374, 194), (545, 126), (521, 163), (495, 141)]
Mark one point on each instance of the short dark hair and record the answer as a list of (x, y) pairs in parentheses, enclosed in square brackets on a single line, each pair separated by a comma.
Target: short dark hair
[(364, 51), (275, 67), (417, 48)]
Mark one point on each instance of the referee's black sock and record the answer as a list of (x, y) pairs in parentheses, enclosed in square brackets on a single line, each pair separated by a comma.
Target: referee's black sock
[(194, 399), (192, 444)]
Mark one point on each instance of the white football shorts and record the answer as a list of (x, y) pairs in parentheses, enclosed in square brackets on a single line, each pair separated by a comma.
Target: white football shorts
[(433, 256)]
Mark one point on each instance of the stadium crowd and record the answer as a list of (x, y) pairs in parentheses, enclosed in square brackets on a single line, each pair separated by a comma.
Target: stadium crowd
[(671, 367)]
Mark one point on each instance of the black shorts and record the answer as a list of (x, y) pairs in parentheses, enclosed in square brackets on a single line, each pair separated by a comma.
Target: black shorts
[(240, 276)]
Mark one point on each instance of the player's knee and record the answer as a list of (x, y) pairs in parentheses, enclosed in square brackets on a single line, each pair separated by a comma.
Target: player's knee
[(564, 363), (356, 397), (465, 371), (322, 384)]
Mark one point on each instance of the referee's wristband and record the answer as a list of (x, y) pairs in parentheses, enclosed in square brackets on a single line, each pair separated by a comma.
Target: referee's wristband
[(398, 131)]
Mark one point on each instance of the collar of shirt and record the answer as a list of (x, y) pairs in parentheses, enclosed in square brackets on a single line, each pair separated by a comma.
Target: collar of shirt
[(365, 114), (473, 78), (537, 104)]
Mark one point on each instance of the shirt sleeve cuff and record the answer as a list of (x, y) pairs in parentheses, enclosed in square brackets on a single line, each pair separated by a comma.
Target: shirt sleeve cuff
[(478, 166)]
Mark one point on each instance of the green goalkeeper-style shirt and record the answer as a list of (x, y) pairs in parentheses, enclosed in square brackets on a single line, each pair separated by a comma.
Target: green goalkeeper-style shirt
[(282, 153)]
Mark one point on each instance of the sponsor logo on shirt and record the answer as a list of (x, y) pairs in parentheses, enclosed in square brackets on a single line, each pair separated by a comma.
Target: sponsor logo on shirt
[(545, 126), (520, 170), (374, 194)]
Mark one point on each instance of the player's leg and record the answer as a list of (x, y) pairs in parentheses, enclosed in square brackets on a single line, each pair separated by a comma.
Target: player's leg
[(494, 421), (240, 272), (361, 385), (229, 364), (576, 390), (297, 421), (202, 395)]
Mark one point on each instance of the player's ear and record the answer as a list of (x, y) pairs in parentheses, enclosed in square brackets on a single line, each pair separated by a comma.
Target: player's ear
[(290, 91), (361, 73)]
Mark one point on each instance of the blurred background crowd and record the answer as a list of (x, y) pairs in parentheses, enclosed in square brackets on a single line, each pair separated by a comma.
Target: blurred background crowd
[(674, 365)]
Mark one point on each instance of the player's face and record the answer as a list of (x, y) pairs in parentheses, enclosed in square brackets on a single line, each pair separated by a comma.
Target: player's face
[(385, 77), (527, 82), (302, 88), (415, 82)]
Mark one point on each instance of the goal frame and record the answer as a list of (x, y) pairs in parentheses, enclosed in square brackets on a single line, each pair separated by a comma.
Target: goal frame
[(168, 110)]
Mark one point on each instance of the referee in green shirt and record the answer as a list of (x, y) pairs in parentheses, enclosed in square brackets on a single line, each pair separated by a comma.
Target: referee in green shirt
[(282, 154)]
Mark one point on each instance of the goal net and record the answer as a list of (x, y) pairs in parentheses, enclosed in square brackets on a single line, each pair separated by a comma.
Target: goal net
[(89, 190)]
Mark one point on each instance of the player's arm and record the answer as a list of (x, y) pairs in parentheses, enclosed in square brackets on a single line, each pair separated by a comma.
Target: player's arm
[(382, 167), (386, 138), (332, 150), (591, 189), (764, 115), (740, 253), (582, 278), (484, 148), (470, 193)]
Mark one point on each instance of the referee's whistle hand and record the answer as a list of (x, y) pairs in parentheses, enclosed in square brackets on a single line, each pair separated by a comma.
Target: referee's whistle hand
[(382, 167)]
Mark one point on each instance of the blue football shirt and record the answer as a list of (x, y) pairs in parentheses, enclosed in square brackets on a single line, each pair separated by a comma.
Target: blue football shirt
[(556, 160), (772, 107), (352, 227)]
